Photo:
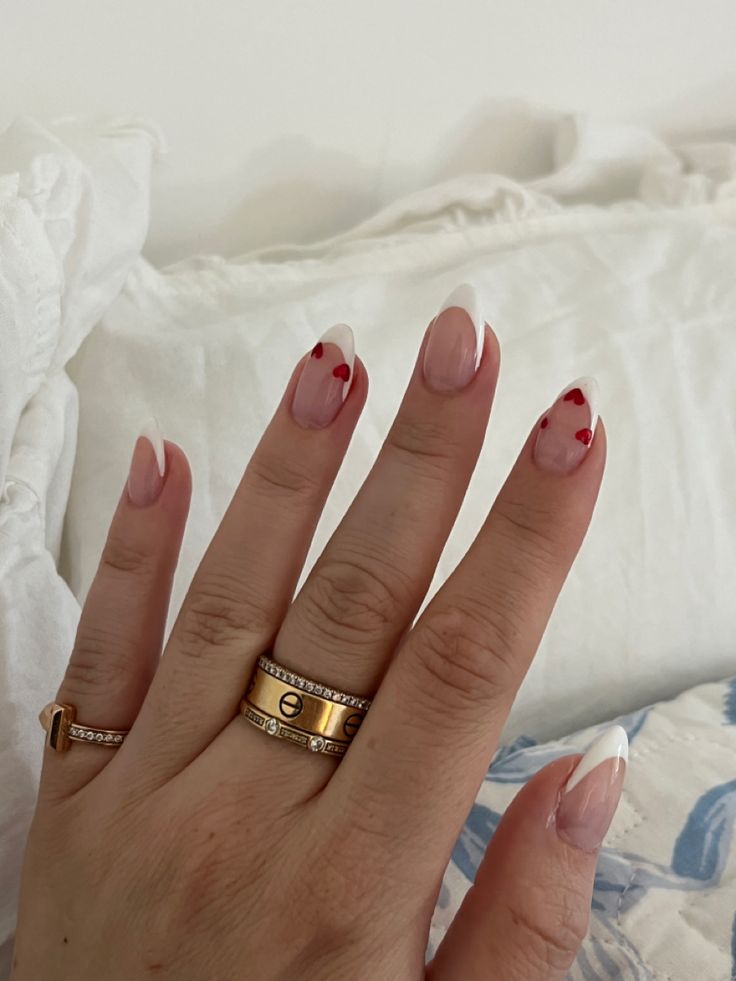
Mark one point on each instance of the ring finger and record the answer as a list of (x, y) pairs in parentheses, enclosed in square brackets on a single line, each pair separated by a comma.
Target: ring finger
[(367, 586), (245, 582)]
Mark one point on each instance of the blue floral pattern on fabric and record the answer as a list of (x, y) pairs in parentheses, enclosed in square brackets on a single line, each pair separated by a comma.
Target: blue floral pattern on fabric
[(731, 703), (701, 849)]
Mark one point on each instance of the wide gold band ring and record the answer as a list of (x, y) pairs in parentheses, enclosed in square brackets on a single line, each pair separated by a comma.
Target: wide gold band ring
[(61, 726), (308, 713)]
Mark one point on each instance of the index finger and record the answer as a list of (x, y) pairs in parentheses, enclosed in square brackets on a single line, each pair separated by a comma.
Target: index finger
[(434, 725)]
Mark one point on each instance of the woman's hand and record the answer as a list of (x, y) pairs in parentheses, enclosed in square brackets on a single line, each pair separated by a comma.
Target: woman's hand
[(202, 848)]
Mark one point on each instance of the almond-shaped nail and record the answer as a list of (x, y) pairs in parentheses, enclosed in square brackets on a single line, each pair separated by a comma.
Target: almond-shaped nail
[(567, 429), (455, 342), (148, 466), (326, 378), (593, 790)]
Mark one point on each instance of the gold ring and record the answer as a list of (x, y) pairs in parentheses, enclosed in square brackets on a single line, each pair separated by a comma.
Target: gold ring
[(308, 713), (59, 722)]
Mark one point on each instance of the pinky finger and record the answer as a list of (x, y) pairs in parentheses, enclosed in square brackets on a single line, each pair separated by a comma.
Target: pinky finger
[(120, 633), (527, 914)]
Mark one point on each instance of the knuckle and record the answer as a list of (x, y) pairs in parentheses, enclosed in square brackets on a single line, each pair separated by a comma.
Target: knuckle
[(276, 475), (362, 827), (207, 873), (535, 532), (329, 932), (344, 885), (121, 557), (97, 663), (550, 931), (460, 658), (215, 615), (423, 443), (90, 670), (348, 599)]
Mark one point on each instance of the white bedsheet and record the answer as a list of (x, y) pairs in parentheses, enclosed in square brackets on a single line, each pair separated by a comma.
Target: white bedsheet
[(640, 292)]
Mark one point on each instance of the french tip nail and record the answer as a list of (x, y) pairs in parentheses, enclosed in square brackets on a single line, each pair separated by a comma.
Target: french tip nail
[(341, 335), (590, 388), (611, 744), (465, 296), (152, 432), (567, 429)]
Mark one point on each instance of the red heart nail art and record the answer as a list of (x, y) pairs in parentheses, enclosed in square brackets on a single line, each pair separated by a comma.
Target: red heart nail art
[(342, 371), (318, 350), (585, 436), (545, 422), (575, 395)]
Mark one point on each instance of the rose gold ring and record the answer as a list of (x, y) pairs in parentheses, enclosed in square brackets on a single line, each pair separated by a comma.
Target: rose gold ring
[(303, 711), (59, 722)]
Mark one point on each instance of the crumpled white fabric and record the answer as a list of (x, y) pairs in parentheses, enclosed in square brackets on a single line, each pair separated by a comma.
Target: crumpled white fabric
[(73, 216)]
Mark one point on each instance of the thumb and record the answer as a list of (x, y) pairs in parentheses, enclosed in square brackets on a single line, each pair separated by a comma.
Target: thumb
[(527, 913)]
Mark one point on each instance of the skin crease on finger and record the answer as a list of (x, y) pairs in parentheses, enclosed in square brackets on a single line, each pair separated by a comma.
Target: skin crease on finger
[(225, 861)]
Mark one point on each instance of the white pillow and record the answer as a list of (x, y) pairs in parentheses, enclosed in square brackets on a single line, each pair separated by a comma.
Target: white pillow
[(640, 293)]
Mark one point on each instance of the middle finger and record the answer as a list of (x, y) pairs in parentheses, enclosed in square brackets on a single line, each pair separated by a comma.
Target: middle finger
[(370, 581)]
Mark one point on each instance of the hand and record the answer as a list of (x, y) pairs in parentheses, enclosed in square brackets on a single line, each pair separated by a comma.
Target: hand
[(204, 849)]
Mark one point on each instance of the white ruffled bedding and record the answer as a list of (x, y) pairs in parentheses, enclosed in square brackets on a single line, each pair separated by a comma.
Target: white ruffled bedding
[(619, 264)]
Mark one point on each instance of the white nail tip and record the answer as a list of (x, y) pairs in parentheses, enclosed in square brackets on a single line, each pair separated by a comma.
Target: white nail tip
[(466, 298), (342, 336), (592, 392), (612, 744), (152, 433)]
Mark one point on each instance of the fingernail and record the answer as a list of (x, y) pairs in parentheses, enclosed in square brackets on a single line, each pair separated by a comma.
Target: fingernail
[(148, 466), (325, 379), (593, 790), (566, 431), (455, 342)]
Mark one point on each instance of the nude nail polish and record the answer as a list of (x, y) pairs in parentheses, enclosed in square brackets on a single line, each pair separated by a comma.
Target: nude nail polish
[(567, 429), (325, 379), (593, 790), (455, 342), (148, 466)]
